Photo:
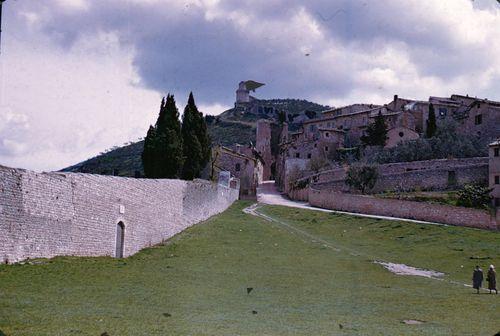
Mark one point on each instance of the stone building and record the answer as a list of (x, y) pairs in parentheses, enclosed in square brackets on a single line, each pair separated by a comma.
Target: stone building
[(267, 146), (474, 116), (243, 163), (494, 172)]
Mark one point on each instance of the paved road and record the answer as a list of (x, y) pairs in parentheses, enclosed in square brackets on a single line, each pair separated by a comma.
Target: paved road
[(268, 194)]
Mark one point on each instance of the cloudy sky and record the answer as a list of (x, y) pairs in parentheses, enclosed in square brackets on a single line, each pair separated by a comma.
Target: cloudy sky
[(80, 76)]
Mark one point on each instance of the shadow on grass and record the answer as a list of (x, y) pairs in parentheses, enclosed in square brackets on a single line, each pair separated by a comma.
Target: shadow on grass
[(2, 333)]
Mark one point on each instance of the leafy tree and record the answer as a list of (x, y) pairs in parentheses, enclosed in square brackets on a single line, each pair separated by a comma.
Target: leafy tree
[(376, 133), (446, 143), (293, 178), (362, 177), (317, 163), (431, 123), (474, 196), (162, 155)]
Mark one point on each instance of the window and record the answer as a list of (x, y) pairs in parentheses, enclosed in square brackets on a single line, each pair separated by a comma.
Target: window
[(238, 167), (326, 148), (311, 128), (497, 179), (496, 151), (327, 134), (497, 202), (316, 145), (297, 155), (478, 120), (309, 155), (401, 134), (443, 111)]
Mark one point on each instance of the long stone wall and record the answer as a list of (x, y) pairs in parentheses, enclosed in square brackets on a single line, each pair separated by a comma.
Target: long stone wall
[(405, 176), (437, 213), (51, 214)]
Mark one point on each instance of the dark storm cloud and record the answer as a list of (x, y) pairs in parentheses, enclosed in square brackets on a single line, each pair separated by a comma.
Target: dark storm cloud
[(178, 49)]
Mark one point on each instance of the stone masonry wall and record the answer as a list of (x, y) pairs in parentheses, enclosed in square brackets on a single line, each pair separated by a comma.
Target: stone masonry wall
[(437, 213), (405, 176), (50, 214)]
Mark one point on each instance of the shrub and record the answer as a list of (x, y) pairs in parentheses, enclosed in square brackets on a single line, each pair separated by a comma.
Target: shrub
[(474, 196), (294, 176), (446, 143), (317, 163), (362, 177)]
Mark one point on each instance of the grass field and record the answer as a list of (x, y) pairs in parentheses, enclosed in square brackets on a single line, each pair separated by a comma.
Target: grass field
[(196, 284)]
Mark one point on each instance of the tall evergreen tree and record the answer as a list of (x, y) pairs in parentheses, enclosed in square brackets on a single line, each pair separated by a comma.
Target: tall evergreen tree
[(376, 133), (162, 156), (193, 153), (431, 123), (168, 129), (149, 153), (201, 132)]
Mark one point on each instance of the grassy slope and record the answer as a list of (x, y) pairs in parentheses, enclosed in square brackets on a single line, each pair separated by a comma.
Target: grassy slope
[(300, 287)]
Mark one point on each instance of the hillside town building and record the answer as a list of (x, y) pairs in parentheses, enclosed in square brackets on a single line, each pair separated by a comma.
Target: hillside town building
[(494, 172), (243, 163)]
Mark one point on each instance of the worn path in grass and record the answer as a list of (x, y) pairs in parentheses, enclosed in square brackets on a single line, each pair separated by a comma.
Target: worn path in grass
[(268, 194), (196, 283)]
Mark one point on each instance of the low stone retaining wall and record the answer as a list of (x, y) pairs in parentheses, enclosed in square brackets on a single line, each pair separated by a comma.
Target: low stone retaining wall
[(299, 194), (43, 215), (437, 213), (406, 176)]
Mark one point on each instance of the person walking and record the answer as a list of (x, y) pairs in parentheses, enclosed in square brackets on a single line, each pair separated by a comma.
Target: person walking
[(491, 277), (477, 279)]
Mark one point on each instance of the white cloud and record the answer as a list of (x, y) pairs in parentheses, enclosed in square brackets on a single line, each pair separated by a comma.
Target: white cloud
[(74, 4), (213, 109), (76, 102)]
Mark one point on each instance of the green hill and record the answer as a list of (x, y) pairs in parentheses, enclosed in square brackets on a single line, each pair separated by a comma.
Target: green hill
[(228, 128)]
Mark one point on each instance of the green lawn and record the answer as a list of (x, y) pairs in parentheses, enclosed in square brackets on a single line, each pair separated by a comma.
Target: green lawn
[(196, 283)]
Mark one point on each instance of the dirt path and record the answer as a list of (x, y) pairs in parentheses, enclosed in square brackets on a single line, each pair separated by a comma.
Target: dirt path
[(267, 194)]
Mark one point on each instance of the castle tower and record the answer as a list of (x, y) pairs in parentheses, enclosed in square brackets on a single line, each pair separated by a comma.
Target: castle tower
[(242, 94), (263, 147)]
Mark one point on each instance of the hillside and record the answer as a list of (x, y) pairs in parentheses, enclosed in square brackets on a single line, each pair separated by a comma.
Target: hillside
[(226, 129)]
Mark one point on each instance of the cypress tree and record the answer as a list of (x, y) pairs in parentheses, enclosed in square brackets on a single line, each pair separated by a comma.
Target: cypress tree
[(376, 133), (168, 128), (193, 152), (201, 132), (431, 123), (148, 155), (162, 155)]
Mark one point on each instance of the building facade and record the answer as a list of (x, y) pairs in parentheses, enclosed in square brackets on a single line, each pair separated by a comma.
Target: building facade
[(242, 163), (494, 172)]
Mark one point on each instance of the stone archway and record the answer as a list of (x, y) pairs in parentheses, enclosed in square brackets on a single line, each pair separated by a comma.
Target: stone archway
[(120, 239)]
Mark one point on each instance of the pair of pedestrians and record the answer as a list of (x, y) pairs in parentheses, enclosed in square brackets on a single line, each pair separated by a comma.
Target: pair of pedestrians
[(491, 278)]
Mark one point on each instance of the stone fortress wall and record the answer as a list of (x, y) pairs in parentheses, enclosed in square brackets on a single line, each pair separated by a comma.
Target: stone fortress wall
[(437, 174), (43, 215)]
